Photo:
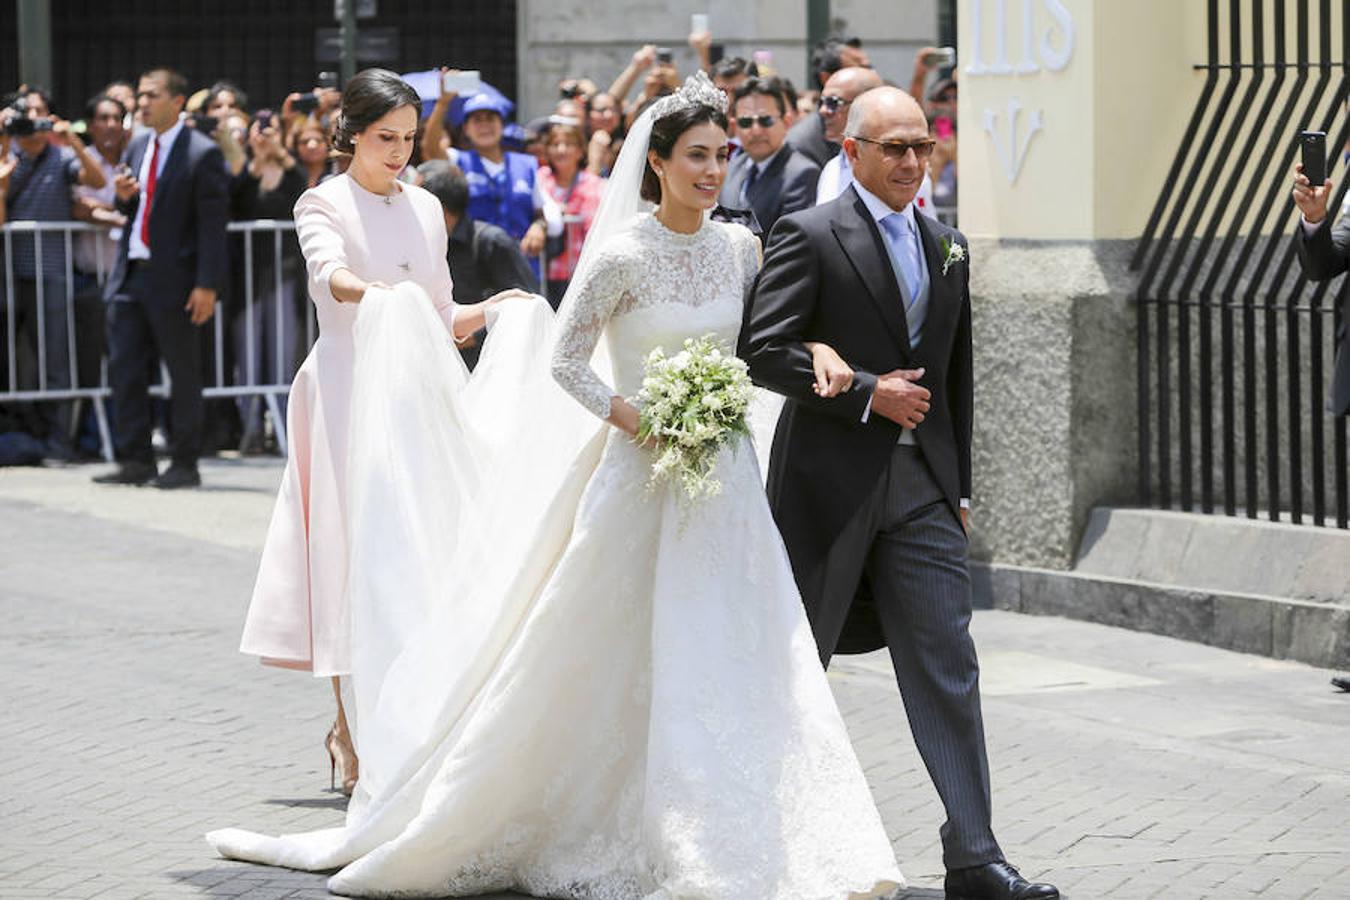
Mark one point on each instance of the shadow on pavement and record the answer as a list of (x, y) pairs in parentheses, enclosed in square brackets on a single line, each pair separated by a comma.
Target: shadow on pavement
[(337, 801)]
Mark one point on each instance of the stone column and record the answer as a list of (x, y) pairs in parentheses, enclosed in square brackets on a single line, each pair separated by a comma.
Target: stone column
[(1070, 113)]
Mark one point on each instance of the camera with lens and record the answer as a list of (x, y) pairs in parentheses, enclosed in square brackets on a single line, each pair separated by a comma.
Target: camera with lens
[(207, 125), (306, 103), (20, 125)]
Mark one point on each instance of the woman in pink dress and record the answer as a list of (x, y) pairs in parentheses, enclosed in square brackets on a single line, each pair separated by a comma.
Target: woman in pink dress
[(360, 229)]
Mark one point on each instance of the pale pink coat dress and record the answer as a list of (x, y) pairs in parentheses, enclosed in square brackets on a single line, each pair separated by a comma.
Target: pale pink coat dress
[(299, 617)]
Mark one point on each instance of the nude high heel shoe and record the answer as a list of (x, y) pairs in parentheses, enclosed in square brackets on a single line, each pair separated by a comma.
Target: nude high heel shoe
[(341, 756)]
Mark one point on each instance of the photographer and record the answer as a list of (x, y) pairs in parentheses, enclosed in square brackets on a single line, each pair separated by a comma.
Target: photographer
[(95, 252), (661, 78), (604, 134), (503, 186), (49, 160), (106, 120), (225, 121), (320, 104), (1324, 253), (268, 188)]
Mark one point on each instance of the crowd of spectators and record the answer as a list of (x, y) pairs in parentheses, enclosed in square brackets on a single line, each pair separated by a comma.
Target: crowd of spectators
[(518, 203)]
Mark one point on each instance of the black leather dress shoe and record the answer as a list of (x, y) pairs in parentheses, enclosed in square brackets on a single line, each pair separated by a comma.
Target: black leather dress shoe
[(1342, 683), (177, 476), (129, 473), (995, 881)]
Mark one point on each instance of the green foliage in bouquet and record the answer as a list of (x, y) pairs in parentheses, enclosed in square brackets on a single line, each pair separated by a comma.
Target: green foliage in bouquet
[(692, 405)]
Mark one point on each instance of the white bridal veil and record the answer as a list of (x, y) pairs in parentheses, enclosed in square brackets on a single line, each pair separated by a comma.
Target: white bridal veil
[(462, 494)]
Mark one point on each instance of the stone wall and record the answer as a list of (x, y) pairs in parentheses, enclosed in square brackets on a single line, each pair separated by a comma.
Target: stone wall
[(1055, 399)]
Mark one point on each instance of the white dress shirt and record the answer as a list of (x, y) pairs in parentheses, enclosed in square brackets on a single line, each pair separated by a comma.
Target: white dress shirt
[(136, 248)]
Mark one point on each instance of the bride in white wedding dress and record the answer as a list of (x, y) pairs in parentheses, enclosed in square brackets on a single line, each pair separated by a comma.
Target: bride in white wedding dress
[(617, 697)]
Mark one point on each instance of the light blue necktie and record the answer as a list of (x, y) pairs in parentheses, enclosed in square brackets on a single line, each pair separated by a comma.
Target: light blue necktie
[(904, 252)]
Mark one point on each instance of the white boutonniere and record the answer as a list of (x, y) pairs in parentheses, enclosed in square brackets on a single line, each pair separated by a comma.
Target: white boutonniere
[(952, 252)]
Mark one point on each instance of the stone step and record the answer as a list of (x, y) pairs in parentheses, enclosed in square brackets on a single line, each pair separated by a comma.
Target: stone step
[(1268, 588), (1221, 553)]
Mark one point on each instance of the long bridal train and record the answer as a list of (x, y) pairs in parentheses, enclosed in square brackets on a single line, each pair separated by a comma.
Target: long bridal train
[(565, 684)]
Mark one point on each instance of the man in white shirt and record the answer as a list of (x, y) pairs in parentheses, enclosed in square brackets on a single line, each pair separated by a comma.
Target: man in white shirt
[(835, 101), (873, 520), (170, 265)]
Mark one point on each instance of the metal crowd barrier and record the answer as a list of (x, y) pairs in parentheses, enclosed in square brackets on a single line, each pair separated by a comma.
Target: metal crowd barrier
[(247, 381), (250, 378)]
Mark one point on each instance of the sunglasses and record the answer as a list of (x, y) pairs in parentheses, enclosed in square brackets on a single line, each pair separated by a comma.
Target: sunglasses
[(897, 149), (761, 121), (833, 103)]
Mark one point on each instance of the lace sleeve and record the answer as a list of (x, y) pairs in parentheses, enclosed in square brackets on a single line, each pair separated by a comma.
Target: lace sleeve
[(748, 251), (589, 303)]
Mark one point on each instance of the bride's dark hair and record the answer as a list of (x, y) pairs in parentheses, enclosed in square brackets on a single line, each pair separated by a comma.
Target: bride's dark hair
[(666, 132), (368, 97)]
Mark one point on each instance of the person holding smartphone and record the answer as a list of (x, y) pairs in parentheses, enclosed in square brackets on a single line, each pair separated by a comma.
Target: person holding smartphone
[(1324, 252), (503, 185)]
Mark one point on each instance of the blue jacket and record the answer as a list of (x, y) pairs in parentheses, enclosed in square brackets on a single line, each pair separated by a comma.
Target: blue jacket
[(507, 200)]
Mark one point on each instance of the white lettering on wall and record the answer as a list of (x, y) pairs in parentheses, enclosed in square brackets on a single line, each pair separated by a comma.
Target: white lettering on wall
[(1011, 152), (1048, 53), (1056, 60), (1051, 53)]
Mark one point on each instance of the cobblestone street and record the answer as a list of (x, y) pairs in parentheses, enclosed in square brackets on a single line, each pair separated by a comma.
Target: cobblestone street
[(1124, 765)]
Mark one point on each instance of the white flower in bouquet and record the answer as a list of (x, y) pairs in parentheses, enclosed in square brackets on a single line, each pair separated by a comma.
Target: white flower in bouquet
[(692, 405)]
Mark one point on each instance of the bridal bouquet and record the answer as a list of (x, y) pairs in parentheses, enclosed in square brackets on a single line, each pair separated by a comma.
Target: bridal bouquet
[(692, 404)]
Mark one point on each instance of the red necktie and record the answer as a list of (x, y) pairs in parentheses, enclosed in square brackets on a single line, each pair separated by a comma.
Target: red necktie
[(150, 194)]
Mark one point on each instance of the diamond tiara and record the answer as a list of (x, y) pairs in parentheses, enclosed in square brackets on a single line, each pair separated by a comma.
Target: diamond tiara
[(698, 90)]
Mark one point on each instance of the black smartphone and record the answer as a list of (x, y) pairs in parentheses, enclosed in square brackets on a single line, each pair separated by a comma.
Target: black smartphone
[(1313, 145), (328, 80), (305, 103), (665, 56)]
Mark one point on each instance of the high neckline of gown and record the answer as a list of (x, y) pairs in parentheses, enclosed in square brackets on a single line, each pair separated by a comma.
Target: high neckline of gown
[(386, 199), (678, 237)]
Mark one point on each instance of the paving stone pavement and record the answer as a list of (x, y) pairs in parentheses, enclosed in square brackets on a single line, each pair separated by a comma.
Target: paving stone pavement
[(1124, 765)]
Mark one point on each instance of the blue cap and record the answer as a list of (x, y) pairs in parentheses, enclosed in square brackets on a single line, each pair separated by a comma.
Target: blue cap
[(482, 101)]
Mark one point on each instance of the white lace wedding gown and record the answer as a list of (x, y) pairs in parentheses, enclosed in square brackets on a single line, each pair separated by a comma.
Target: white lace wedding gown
[(645, 715)]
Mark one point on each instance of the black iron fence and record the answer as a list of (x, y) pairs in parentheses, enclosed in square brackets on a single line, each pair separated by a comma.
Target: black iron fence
[(1235, 345)]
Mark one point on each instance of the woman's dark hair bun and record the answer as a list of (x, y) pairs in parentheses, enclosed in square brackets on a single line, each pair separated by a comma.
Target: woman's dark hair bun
[(370, 96)]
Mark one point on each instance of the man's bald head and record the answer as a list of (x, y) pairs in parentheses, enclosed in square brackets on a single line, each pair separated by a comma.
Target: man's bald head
[(875, 109), (839, 92), (852, 81), (888, 145)]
